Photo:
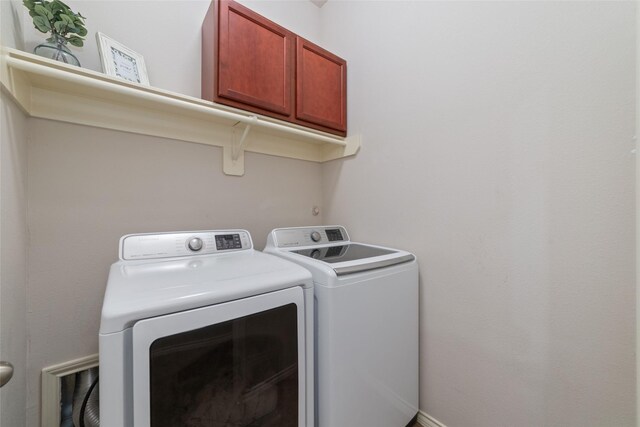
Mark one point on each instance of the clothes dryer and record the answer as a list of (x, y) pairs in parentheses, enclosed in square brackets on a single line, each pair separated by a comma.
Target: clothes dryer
[(199, 329), (366, 326)]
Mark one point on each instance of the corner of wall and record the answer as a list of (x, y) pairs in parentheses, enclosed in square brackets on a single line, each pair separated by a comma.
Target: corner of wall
[(637, 216), (11, 24)]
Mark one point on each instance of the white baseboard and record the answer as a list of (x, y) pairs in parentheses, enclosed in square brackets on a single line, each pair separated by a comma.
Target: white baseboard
[(426, 420)]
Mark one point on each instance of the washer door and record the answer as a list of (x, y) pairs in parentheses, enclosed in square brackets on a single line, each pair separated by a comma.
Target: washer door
[(239, 363)]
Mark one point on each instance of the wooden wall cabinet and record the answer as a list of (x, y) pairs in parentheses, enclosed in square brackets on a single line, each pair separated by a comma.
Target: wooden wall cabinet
[(321, 86), (252, 63), (249, 60)]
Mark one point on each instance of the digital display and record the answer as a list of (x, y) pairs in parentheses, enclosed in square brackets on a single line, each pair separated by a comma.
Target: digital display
[(334, 235), (228, 241)]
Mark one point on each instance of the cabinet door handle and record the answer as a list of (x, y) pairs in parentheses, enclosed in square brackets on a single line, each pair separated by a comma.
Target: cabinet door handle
[(6, 372)]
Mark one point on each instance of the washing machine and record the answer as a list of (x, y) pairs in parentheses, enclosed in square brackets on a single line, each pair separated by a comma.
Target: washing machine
[(198, 329), (366, 299)]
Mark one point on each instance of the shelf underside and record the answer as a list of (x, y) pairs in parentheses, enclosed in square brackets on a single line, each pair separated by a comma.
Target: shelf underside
[(51, 90)]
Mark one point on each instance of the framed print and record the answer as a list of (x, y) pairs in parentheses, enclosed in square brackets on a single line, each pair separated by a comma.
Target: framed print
[(120, 61)]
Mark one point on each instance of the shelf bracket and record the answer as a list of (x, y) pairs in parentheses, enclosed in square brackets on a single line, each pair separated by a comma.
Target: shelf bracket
[(234, 155), (239, 145)]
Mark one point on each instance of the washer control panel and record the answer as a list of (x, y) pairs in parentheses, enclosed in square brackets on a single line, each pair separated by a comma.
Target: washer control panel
[(309, 236), (188, 243)]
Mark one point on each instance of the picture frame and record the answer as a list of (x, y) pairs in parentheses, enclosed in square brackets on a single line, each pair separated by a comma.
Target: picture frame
[(120, 61)]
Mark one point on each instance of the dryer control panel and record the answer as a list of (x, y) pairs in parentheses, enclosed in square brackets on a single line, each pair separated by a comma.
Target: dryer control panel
[(309, 236), (184, 243)]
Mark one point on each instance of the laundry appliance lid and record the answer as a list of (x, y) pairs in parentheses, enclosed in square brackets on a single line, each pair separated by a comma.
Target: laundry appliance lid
[(342, 253), (328, 250), (139, 290), (354, 257)]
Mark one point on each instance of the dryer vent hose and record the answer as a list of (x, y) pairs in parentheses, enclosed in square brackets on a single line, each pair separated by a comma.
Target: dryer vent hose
[(90, 411), (86, 407)]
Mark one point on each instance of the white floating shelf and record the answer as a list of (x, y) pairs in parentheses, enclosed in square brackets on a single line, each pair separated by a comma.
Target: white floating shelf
[(53, 90)]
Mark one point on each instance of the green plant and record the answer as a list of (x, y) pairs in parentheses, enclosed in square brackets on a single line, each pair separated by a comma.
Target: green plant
[(57, 18)]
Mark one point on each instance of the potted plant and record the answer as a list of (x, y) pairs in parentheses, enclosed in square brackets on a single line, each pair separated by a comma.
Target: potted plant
[(64, 25)]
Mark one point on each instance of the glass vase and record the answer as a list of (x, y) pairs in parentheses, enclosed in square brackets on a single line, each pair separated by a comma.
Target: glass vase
[(56, 48)]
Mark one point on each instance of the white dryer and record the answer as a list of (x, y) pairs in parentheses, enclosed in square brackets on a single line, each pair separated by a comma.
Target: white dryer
[(199, 329), (366, 326)]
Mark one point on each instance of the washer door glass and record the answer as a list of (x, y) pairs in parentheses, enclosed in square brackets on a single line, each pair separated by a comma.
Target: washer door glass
[(240, 372)]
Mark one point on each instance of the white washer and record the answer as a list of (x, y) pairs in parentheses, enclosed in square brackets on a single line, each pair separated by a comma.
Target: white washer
[(366, 326), (200, 329)]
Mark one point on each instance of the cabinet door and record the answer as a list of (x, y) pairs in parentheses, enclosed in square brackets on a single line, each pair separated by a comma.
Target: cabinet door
[(254, 61), (321, 87)]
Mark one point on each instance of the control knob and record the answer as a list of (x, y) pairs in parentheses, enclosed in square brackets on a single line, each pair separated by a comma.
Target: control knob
[(195, 244), (315, 236)]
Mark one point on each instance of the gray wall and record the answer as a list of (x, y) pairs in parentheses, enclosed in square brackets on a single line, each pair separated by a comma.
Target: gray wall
[(88, 187), (167, 33), (13, 259), (11, 25), (497, 140), (13, 234)]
